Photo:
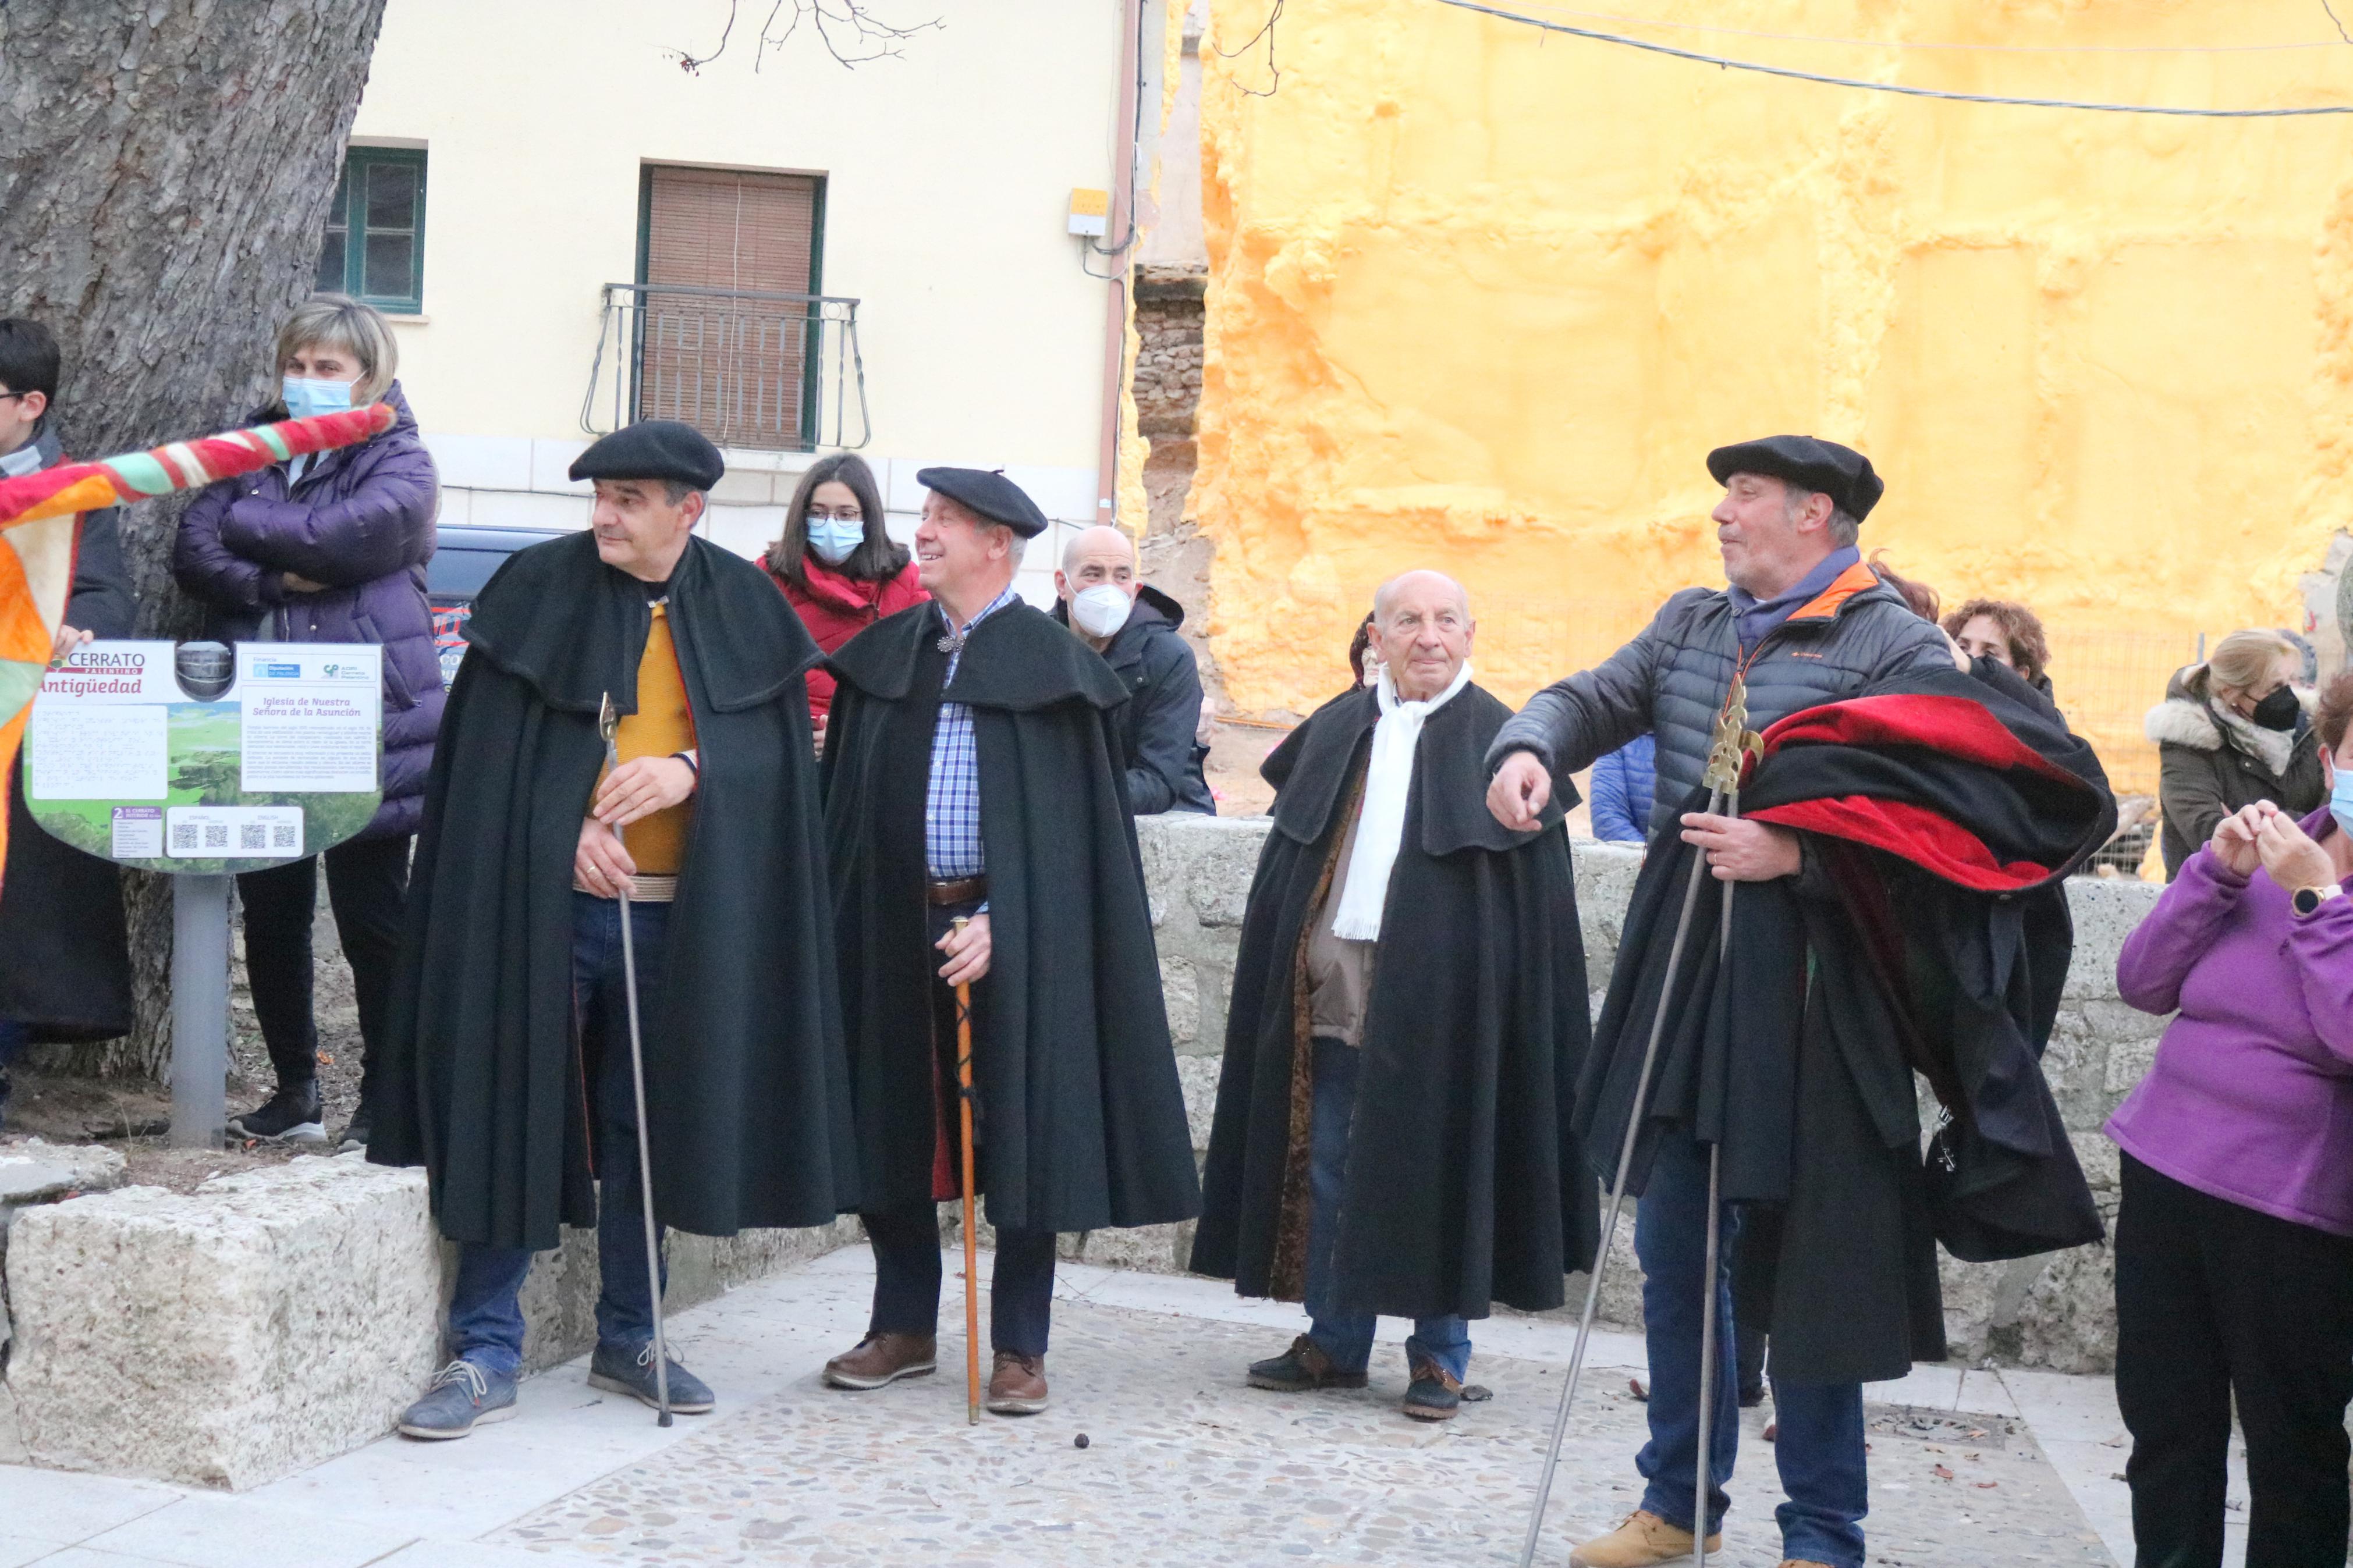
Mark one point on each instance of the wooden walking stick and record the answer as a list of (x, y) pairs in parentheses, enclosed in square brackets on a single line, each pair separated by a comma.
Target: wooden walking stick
[(971, 1244)]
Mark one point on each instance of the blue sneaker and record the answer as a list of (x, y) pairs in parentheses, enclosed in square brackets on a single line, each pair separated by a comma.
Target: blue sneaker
[(463, 1396), (617, 1369)]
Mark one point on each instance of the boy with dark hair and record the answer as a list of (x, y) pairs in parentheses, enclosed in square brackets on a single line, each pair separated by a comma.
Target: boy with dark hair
[(64, 967)]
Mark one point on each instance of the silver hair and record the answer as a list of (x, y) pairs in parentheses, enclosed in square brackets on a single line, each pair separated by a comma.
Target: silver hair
[(1844, 528), (340, 322)]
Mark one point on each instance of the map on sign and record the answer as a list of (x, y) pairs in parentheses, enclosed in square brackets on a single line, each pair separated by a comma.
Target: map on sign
[(122, 761)]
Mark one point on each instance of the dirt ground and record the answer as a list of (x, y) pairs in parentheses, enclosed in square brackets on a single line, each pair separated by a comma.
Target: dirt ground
[(133, 1117)]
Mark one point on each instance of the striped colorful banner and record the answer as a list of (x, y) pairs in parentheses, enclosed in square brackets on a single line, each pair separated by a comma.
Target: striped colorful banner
[(26, 628), (182, 465)]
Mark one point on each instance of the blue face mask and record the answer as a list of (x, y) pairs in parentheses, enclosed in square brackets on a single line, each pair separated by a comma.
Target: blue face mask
[(2340, 799), (305, 396), (835, 539)]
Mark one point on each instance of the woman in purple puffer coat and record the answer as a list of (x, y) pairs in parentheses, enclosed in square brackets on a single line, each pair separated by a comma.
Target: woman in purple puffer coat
[(329, 548)]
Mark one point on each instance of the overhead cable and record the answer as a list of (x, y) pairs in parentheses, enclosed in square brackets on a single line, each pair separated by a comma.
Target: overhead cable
[(1668, 24), (1902, 88)]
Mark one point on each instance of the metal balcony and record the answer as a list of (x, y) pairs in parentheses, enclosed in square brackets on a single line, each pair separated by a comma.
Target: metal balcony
[(748, 369)]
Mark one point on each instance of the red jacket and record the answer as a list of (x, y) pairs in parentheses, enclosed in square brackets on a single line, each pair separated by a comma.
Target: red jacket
[(836, 608)]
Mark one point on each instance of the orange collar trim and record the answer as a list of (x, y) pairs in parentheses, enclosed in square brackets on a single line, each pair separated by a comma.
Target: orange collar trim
[(1855, 580)]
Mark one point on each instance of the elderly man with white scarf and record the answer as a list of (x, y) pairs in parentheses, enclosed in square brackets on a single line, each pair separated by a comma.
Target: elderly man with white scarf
[(1408, 1012)]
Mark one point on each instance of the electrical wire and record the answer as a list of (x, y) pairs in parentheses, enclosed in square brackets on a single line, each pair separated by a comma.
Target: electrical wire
[(1900, 89), (1668, 24), (1135, 160)]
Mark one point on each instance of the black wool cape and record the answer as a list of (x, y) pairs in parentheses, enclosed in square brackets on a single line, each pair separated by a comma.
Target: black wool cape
[(1464, 1182), (747, 1086), (1079, 1116), (1927, 935)]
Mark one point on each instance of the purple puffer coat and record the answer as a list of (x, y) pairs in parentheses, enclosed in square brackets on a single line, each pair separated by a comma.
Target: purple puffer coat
[(360, 520)]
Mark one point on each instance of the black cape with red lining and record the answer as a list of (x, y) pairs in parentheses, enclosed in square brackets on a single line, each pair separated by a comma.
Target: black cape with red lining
[(1079, 1116), (747, 1082), (1928, 932), (1464, 1185)]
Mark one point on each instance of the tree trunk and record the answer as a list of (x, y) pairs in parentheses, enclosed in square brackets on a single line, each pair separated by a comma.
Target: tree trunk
[(164, 175)]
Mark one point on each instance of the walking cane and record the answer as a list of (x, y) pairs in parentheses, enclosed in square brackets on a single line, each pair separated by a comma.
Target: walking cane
[(608, 723), (971, 1244), (1732, 739)]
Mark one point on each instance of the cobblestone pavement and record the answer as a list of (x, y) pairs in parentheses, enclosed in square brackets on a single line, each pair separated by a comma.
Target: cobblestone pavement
[(1185, 1465)]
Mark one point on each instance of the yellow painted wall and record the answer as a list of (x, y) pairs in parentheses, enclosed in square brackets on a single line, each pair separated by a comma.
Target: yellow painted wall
[(1483, 299)]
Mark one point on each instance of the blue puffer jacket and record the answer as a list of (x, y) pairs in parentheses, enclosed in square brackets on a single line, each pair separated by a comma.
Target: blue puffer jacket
[(360, 520), (1671, 680), (1624, 783)]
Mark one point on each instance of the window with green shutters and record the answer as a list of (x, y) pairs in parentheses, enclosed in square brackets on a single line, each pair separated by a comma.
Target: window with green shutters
[(374, 246)]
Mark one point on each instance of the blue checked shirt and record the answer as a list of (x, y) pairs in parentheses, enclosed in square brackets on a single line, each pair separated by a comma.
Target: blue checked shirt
[(951, 811)]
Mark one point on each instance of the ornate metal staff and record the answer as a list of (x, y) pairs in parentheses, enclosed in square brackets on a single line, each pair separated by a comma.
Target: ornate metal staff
[(1732, 742), (608, 724)]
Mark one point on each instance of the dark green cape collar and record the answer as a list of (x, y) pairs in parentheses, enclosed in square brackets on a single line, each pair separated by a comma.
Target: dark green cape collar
[(571, 628), (1017, 659)]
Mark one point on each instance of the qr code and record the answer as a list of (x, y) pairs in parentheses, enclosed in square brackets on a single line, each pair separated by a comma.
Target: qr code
[(184, 835), (253, 836), (216, 834), (282, 835)]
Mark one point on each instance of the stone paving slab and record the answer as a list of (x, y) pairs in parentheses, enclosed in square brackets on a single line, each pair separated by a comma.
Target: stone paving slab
[(1186, 1465)]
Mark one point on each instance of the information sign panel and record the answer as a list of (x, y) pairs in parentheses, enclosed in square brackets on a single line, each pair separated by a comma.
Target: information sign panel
[(123, 761)]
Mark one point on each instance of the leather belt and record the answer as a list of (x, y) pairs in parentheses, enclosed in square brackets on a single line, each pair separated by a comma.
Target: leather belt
[(962, 890)]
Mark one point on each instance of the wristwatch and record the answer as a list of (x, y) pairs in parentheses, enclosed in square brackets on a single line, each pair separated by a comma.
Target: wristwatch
[(2307, 899)]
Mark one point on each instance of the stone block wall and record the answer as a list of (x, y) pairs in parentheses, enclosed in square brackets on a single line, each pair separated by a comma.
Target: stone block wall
[(273, 1318), (2055, 1312)]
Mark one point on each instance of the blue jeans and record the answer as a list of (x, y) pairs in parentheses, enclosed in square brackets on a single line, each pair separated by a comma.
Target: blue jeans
[(1338, 1330), (485, 1317), (1819, 1448)]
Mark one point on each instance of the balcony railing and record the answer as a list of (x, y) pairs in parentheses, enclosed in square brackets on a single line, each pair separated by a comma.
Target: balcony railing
[(748, 369)]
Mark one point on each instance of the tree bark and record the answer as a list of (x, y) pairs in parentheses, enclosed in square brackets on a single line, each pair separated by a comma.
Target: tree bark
[(164, 175)]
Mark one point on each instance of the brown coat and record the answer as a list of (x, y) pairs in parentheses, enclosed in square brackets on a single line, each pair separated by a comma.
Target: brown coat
[(2207, 772)]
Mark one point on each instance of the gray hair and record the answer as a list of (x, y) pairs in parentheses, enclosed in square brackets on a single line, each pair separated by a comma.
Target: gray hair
[(1844, 528), (340, 322)]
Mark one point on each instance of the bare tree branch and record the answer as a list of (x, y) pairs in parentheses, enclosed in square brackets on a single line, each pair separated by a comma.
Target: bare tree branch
[(849, 30)]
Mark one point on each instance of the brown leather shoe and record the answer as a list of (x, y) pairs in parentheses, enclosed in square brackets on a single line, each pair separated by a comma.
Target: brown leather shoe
[(880, 1358), (1017, 1385), (1643, 1539)]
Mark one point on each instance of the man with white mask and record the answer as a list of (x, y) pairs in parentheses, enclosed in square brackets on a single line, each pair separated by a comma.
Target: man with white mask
[(1105, 602), (1407, 1020)]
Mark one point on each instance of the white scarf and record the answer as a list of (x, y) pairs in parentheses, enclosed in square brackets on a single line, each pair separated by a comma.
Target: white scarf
[(1380, 826)]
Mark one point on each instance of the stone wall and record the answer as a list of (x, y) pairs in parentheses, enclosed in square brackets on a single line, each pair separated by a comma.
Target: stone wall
[(2055, 1312), (272, 1319)]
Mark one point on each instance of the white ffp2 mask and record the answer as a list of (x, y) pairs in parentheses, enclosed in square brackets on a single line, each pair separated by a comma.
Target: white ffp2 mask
[(1102, 610)]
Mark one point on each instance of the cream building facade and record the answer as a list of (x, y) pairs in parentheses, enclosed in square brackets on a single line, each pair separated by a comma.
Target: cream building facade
[(555, 147)]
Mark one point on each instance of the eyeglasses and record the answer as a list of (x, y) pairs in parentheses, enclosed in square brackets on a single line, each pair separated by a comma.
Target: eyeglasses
[(842, 514), (16, 394)]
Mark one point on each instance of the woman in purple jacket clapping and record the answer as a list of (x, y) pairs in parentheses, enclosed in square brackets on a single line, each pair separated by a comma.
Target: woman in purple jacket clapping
[(2234, 1248), (329, 548)]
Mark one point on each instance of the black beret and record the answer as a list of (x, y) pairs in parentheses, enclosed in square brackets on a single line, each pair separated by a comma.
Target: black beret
[(653, 449), (988, 494), (1840, 472)]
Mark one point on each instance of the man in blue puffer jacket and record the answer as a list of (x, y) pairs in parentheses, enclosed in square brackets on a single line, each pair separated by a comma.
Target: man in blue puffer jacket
[(1809, 624), (329, 548)]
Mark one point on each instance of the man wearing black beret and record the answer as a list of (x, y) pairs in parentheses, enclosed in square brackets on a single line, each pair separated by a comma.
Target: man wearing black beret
[(973, 772), (1803, 622), (508, 1073)]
